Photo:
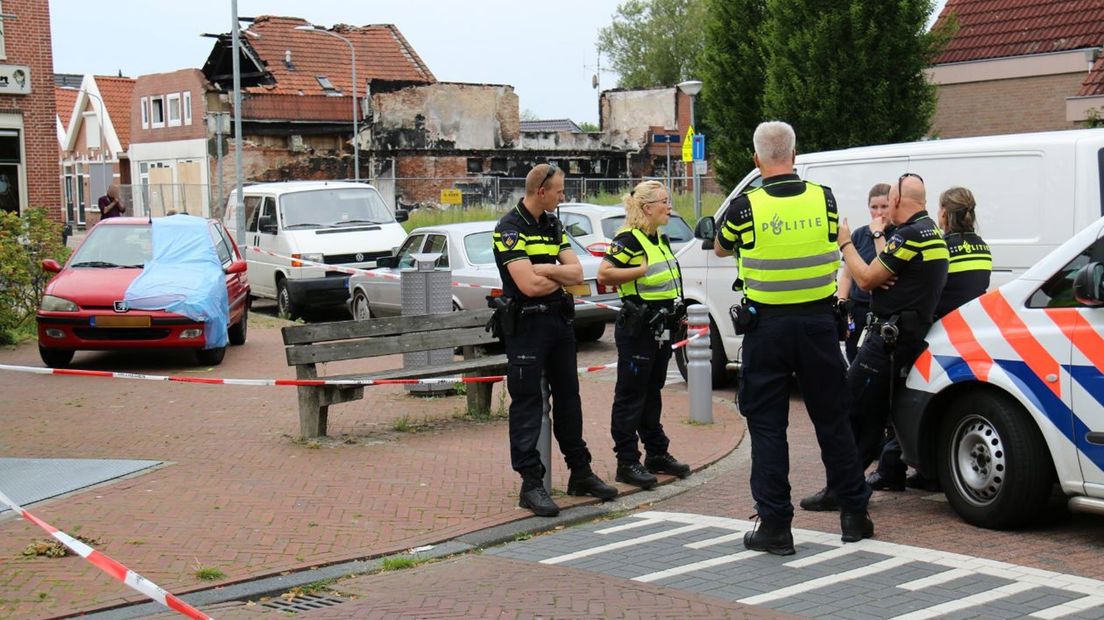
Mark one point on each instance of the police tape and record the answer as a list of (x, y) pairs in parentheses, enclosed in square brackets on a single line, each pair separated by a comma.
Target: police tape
[(391, 276), (109, 565), (698, 334)]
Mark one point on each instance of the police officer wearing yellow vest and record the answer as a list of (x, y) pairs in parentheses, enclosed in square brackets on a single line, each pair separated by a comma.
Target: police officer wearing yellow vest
[(785, 235), (535, 261), (641, 264), (916, 256)]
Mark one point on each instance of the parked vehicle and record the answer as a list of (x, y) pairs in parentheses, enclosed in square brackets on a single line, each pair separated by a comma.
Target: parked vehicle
[(1007, 399), (595, 226), (1034, 191), (331, 222), (466, 249), (83, 307)]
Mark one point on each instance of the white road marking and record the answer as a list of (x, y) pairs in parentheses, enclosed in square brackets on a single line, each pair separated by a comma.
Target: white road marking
[(821, 582), (1072, 607), (629, 526), (969, 601), (621, 544), (689, 568), (936, 579), (817, 558), (718, 540)]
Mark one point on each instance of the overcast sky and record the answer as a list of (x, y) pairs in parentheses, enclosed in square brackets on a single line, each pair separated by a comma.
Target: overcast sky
[(545, 50)]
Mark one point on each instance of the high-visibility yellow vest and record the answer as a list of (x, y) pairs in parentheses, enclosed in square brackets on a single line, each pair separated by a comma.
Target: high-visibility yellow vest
[(662, 280), (792, 260)]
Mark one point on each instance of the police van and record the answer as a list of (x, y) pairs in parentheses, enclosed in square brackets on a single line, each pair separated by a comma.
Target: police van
[(1033, 191), (1008, 398)]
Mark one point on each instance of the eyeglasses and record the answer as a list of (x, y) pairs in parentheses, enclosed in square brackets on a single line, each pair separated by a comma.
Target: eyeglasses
[(902, 179), (665, 201), (552, 170)]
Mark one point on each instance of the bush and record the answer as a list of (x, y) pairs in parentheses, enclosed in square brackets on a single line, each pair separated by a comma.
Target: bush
[(24, 243)]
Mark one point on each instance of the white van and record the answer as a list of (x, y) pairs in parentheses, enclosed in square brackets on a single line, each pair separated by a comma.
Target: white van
[(1033, 191), (331, 222)]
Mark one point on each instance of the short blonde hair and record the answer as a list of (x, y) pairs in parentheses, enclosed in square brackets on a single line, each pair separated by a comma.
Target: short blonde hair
[(774, 141), (634, 201)]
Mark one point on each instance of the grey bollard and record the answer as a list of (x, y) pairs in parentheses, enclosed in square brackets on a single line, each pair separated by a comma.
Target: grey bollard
[(699, 368), (544, 441)]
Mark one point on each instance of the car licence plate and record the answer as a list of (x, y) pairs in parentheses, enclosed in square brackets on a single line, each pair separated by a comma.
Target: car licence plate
[(120, 321), (579, 290)]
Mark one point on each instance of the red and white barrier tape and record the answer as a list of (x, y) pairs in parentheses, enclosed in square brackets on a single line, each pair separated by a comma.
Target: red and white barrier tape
[(111, 566), (390, 276), (697, 334)]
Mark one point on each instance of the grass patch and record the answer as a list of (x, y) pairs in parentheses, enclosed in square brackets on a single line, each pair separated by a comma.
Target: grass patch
[(399, 562), (50, 548), (209, 573), (437, 217)]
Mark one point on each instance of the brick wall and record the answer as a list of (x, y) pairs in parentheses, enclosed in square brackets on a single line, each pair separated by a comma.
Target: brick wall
[(1004, 106), (27, 42), (422, 168), (162, 84)]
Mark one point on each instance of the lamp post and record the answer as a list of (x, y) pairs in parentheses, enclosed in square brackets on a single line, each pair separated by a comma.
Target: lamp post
[(103, 151), (691, 88), (356, 111)]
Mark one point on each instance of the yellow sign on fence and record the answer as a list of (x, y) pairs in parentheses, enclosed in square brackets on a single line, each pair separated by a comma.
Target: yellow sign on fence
[(451, 197), (688, 145)]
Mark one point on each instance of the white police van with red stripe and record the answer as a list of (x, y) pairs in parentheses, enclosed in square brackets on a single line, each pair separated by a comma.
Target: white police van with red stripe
[(1008, 398)]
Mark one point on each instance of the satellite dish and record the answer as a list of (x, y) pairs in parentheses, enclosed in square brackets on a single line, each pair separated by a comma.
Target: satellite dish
[(594, 81)]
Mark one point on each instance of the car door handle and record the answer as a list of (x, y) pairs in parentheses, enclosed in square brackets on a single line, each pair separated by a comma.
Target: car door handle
[(1095, 438)]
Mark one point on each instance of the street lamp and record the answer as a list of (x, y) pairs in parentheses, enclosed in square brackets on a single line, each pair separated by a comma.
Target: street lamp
[(352, 52), (103, 151), (691, 88)]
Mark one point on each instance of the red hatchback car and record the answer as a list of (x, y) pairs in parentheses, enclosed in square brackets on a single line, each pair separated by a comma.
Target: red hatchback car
[(83, 308)]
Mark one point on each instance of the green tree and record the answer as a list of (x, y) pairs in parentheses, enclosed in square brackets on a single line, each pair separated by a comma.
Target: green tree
[(589, 127), (654, 42), (850, 72), (732, 66), (24, 242)]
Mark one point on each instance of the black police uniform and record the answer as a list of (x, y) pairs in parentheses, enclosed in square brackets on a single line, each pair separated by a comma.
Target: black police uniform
[(642, 361), (969, 270), (858, 305), (789, 339), (544, 343), (917, 254)]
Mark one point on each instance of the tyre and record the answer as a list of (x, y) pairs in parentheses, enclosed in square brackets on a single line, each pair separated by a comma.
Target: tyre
[(362, 310), (993, 463), (718, 361), (238, 331), (284, 305), (56, 358), (590, 332), (210, 357)]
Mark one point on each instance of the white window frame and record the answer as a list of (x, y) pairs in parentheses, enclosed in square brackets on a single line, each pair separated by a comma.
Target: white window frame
[(144, 103), (169, 100), (91, 123), (154, 122), (187, 107)]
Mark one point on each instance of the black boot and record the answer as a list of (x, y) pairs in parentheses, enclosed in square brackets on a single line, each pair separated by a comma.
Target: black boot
[(821, 501), (775, 539), (585, 482), (533, 494), (920, 481), (666, 464), (881, 482), (856, 526), (631, 472)]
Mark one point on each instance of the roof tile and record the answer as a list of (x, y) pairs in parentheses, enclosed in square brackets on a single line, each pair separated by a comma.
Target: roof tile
[(1003, 28), (65, 98), (116, 93)]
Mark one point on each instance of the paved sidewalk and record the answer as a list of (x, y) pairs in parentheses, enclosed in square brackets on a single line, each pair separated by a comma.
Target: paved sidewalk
[(239, 494)]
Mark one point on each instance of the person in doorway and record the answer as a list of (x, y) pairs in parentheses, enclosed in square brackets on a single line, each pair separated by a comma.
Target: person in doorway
[(866, 241), (111, 205), (641, 264)]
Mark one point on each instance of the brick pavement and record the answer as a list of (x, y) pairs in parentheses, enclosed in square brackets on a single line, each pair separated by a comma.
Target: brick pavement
[(238, 494)]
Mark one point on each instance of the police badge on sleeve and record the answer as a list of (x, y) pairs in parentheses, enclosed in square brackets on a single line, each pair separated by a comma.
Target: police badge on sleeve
[(616, 247), (895, 242), (509, 238)]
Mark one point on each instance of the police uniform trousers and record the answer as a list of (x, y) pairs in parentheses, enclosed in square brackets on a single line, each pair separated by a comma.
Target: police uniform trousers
[(544, 343), (806, 345), (869, 379), (857, 312), (641, 374)]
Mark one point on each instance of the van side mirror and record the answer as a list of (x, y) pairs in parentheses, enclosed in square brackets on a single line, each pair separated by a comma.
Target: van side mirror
[(706, 230), (401, 215), (1087, 285), (267, 225)]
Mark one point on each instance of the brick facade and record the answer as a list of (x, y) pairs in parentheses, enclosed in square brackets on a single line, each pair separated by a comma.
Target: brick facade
[(160, 85), (1004, 106), (417, 169), (27, 42)]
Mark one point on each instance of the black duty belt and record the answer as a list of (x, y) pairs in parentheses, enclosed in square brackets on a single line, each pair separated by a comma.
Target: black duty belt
[(812, 309)]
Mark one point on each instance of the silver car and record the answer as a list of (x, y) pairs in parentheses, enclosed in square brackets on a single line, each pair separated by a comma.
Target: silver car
[(466, 249)]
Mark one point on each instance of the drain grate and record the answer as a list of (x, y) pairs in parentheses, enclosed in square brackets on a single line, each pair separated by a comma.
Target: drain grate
[(304, 602)]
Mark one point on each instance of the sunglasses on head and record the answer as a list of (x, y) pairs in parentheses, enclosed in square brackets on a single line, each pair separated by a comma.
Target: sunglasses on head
[(552, 170), (902, 179)]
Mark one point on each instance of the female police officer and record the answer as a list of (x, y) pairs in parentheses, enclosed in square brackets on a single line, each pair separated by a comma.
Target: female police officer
[(643, 267)]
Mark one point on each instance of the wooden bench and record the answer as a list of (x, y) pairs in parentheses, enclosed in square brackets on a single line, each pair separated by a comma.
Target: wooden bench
[(310, 345)]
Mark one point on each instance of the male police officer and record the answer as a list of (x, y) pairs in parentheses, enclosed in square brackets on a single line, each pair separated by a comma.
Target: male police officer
[(916, 255), (535, 261), (785, 233)]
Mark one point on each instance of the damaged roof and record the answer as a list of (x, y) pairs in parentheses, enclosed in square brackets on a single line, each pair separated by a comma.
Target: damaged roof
[(558, 124)]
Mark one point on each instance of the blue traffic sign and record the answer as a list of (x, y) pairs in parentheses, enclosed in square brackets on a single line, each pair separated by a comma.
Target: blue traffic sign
[(662, 138), (699, 146)]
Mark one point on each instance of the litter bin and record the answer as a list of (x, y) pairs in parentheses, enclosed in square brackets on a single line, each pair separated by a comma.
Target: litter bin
[(426, 289)]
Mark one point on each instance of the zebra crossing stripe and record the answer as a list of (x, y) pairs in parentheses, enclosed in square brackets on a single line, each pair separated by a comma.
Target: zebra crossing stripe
[(821, 582), (967, 602), (689, 568), (1072, 607), (936, 579), (622, 544)]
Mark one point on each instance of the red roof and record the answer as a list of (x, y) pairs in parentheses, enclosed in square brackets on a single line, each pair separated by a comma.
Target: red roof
[(381, 53), (116, 93), (1003, 28), (1094, 81), (282, 106), (65, 98)]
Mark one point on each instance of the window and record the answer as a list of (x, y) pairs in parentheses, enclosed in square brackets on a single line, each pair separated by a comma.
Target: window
[(173, 102), (1057, 292), (268, 213), (221, 247), (475, 164), (326, 85), (252, 212), (413, 245), (438, 244), (91, 130), (144, 103), (480, 248), (576, 225), (157, 112), (188, 108)]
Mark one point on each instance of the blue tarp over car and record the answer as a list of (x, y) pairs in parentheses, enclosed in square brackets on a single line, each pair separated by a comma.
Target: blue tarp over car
[(184, 276)]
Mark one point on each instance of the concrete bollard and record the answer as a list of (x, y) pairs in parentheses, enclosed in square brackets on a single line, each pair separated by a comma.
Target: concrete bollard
[(699, 368), (544, 441)]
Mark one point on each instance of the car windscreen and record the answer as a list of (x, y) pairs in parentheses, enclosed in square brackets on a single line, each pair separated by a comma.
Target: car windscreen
[(677, 230), (325, 208), (115, 246)]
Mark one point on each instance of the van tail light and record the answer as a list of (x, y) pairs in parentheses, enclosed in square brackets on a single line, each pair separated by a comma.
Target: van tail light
[(598, 248), (604, 289), (296, 263), (496, 292)]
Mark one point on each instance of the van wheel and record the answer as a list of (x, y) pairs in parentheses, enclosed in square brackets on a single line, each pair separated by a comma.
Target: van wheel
[(993, 464), (718, 362), (362, 310), (238, 331), (210, 357), (284, 305), (56, 358)]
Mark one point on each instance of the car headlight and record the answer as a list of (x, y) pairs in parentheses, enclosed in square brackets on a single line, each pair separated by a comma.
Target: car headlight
[(312, 257), (57, 304)]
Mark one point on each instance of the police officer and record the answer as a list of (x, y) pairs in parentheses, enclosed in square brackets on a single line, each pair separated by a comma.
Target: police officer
[(642, 265), (855, 299), (916, 255), (535, 262), (785, 234)]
